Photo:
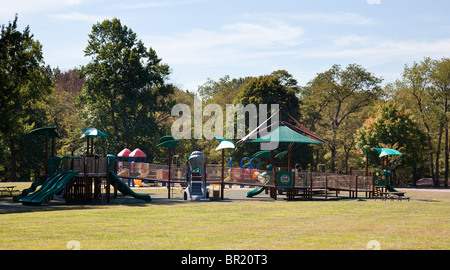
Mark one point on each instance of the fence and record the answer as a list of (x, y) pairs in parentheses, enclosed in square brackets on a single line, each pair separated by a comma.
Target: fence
[(303, 180)]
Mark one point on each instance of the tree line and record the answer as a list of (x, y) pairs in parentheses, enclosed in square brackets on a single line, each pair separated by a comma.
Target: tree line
[(125, 91)]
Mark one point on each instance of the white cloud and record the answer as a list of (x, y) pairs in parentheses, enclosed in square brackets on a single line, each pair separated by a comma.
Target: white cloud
[(378, 50), (76, 16), (231, 44), (10, 7), (339, 17), (374, 2), (346, 18), (163, 3)]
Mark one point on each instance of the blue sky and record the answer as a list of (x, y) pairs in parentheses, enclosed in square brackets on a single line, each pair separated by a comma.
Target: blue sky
[(202, 39)]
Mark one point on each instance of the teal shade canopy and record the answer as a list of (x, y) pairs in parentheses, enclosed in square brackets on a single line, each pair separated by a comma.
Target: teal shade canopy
[(93, 132), (224, 143), (167, 141), (45, 131), (388, 152), (281, 155), (284, 134), (263, 154)]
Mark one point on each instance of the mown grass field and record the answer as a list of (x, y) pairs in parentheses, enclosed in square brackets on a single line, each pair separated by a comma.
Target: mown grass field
[(333, 224)]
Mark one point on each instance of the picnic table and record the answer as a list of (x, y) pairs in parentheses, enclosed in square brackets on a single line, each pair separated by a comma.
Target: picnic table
[(8, 189), (393, 195)]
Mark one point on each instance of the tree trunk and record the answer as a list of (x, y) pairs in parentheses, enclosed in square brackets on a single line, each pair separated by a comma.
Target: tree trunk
[(333, 158), (438, 153)]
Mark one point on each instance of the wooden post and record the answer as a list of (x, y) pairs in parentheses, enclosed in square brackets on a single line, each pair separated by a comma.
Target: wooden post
[(53, 146), (92, 146), (276, 184), (46, 156), (170, 167), (108, 184), (326, 185), (223, 174), (87, 147), (356, 186), (367, 165), (85, 180)]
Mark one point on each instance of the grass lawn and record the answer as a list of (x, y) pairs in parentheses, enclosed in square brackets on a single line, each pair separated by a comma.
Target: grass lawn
[(333, 224)]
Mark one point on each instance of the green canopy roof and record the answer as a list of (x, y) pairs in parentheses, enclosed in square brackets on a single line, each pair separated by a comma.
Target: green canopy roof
[(167, 141), (263, 154), (284, 134), (92, 132), (45, 131), (281, 155), (224, 143), (388, 152)]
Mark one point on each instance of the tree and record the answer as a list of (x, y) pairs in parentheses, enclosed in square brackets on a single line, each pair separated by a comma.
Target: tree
[(268, 89), (125, 94), (62, 112), (333, 97), (425, 89), (393, 127), (24, 82)]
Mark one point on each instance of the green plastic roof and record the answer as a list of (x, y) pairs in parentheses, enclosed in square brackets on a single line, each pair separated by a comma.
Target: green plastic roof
[(45, 131), (224, 143), (167, 141), (388, 152), (284, 134), (263, 154), (92, 132)]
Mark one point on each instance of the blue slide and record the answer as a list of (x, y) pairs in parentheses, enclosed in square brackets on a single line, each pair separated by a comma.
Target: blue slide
[(124, 189), (51, 187)]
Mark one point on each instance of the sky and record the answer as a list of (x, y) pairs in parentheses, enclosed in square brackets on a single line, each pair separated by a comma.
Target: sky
[(209, 39)]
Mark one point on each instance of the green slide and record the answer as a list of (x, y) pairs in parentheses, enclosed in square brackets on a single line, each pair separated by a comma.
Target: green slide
[(257, 191), (124, 189), (51, 187), (32, 188), (392, 189)]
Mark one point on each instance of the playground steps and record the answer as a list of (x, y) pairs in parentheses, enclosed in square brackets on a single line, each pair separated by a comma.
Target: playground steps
[(196, 188)]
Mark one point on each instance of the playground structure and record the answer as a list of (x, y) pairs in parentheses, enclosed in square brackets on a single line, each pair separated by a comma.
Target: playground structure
[(80, 179), (196, 180), (84, 178)]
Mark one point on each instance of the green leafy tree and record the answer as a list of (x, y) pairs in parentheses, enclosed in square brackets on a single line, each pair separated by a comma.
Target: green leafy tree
[(24, 82), (332, 98), (394, 127), (126, 93), (269, 89), (425, 89)]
